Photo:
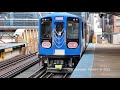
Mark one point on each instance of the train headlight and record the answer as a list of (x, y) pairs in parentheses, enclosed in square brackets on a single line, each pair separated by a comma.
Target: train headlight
[(46, 44), (72, 44)]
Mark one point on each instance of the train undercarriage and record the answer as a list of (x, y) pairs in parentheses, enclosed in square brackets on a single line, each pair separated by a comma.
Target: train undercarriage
[(59, 64)]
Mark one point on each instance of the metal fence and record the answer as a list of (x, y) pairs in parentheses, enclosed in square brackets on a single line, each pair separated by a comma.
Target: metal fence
[(19, 22)]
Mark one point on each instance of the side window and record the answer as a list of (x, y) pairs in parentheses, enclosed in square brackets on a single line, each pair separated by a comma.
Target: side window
[(82, 30), (86, 29)]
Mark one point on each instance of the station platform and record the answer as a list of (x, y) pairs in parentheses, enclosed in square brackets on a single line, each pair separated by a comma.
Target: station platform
[(99, 61), (10, 50), (10, 45)]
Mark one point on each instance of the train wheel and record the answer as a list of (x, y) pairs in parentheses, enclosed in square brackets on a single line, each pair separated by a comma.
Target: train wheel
[(75, 63), (42, 62), (76, 60), (45, 64)]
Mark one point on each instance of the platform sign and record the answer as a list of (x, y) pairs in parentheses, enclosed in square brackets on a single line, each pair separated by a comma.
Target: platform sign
[(58, 18), (3, 55)]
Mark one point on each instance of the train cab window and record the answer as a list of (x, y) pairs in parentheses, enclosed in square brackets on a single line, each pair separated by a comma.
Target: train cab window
[(46, 28), (72, 29)]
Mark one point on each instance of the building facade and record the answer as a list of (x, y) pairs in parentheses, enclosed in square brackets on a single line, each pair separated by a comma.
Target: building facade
[(116, 24), (21, 18)]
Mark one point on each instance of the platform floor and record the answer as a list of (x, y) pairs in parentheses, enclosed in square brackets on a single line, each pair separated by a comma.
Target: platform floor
[(106, 61), (99, 61)]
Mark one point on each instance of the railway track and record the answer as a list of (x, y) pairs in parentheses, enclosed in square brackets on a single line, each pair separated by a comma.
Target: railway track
[(55, 75), (41, 73), (25, 62), (37, 73), (15, 60), (17, 65)]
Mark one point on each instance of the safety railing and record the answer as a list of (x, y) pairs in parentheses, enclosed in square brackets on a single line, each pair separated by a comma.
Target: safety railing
[(18, 22)]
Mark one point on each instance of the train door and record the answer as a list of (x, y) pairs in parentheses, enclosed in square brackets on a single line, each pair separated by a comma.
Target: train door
[(86, 34), (59, 26), (83, 36), (59, 38)]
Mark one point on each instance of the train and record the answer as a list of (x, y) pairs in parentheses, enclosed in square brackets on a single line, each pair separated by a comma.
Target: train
[(62, 39)]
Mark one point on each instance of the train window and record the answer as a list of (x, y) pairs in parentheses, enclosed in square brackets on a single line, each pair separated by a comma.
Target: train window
[(82, 30), (72, 30), (46, 29), (86, 32), (59, 27)]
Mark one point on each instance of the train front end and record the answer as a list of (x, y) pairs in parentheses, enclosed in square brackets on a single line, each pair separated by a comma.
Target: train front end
[(60, 42)]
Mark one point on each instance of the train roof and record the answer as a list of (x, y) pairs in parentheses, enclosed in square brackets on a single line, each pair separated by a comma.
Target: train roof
[(61, 14)]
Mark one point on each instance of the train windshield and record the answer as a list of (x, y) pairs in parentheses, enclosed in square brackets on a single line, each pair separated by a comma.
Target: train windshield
[(72, 28), (46, 28)]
